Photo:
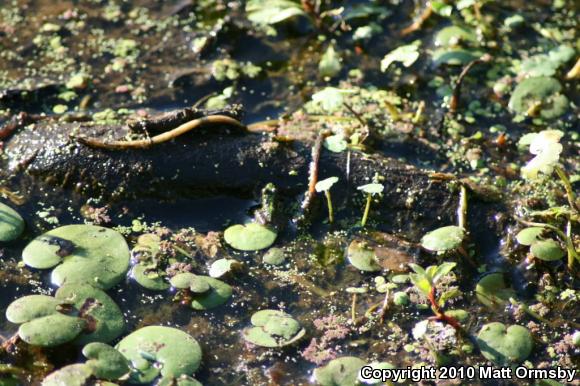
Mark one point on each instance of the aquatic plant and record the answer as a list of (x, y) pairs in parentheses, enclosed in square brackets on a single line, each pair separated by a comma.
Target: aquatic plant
[(362, 256), (444, 239), (201, 292), (370, 190), (505, 345), (79, 313), (159, 351), (324, 186), (80, 254), (273, 328), (250, 237), (425, 280), (223, 267), (407, 55), (343, 371), (11, 223), (492, 291), (546, 148), (539, 96)]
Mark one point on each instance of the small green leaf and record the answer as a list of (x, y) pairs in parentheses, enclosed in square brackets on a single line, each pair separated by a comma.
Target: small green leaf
[(443, 239), (329, 65), (547, 250), (250, 237), (528, 236), (372, 189), (407, 55), (335, 143), (326, 184)]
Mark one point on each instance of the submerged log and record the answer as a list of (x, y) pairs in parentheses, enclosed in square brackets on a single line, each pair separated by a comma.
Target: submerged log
[(221, 159)]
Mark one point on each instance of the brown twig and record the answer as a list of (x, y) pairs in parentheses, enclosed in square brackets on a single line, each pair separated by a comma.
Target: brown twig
[(313, 172), (418, 22), (454, 102), (164, 137)]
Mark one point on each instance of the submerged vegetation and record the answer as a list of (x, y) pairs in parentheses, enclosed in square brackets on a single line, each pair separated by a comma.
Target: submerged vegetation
[(141, 245)]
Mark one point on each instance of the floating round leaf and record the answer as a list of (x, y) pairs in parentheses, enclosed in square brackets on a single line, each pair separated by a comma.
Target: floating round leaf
[(362, 257), (339, 372), (71, 375), (443, 239), (454, 56), (105, 361), (159, 350), (492, 291), (273, 328), (454, 35), (222, 267), (31, 307), (148, 279), (547, 250), (274, 256), (107, 320), (87, 253), (543, 92), (528, 236), (11, 223), (196, 284), (249, 237), (504, 346), (372, 189), (52, 330), (219, 293), (181, 381)]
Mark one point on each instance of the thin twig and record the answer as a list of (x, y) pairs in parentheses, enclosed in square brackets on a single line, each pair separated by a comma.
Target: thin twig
[(454, 102), (418, 23), (313, 172), (570, 195), (161, 138)]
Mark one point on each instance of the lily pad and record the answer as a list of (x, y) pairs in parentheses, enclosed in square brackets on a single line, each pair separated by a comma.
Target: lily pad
[(454, 56), (222, 267), (71, 375), (492, 291), (505, 345), (362, 257), (272, 329), (274, 256), (105, 361), (407, 55), (529, 236), (541, 90), (455, 35), (373, 188), (31, 307), (342, 371), (443, 239), (187, 280), (11, 223), (218, 294), (107, 320), (159, 350), (249, 237), (145, 279), (86, 253), (547, 250), (52, 330)]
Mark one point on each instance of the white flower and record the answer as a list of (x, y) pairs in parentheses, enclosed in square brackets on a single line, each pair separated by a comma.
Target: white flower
[(546, 147)]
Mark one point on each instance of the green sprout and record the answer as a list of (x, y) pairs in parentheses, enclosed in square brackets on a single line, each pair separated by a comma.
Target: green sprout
[(324, 186), (370, 190), (426, 280)]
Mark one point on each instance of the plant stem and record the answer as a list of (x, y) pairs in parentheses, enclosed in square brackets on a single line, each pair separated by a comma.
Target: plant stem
[(367, 209), (353, 308), (329, 202), (439, 314), (568, 187), (462, 208)]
